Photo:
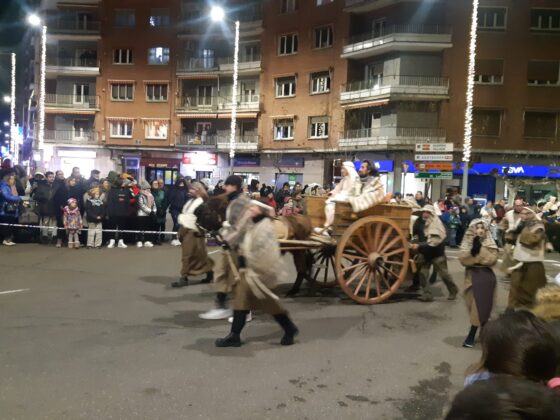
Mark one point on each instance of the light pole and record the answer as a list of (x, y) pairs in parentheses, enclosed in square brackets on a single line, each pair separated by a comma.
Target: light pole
[(35, 20), (13, 137), (217, 14), (470, 94)]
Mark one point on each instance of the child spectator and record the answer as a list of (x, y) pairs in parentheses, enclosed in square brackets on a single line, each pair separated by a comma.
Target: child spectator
[(95, 213), (289, 207), (72, 220)]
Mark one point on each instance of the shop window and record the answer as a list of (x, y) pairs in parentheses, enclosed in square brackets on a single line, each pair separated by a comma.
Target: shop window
[(486, 122), (159, 17), (122, 56), (492, 18), (122, 129), (320, 82), (319, 127), (122, 91), (288, 44), (285, 87), (156, 92), (323, 37), (158, 55), (156, 129), (489, 72), (541, 124), (543, 73), (125, 18), (546, 20), (288, 6), (284, 129)]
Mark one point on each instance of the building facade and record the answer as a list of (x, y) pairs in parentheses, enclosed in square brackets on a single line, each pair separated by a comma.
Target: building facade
[(147, 88)]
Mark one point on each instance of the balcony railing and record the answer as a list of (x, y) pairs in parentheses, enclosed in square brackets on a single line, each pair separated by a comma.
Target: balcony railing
[(218, 103), (71, 101), (400, 29), (390, 136), (218, 63), (197, 140), (74, 26), (242, 142), (221, 140), (72, 62), (367, 5), (398, 80), (70, 136)]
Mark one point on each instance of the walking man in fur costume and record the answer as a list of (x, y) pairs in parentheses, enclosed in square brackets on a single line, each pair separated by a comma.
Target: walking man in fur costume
[(528, 274), (508, 225), (432, 252), (249, 230), (479, 253)]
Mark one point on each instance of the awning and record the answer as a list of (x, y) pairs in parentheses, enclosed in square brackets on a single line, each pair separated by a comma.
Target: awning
[(156, 82), (282, 117), (197, 115), (155, 119), (366, 104), (197, 76), (121, 81), (70, 111), (120, 118), (239, 115)]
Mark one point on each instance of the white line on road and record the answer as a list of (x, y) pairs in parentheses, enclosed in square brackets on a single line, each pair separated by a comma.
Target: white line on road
[(7, 292)]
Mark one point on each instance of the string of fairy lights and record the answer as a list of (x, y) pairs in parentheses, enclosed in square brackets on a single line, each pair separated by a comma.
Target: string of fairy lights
[(14, 145), (234, 97), (42, 92)]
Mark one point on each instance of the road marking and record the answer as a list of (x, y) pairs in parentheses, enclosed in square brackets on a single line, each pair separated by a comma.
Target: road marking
[(7, 292)]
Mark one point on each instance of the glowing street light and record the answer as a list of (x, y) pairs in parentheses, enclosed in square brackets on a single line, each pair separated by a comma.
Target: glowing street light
[(34, 20), (217, 14), (7, 99), (6, 123)]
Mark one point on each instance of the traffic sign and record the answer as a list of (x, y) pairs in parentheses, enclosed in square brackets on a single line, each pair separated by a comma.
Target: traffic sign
[(435, 158), (434, 147), (434, 175), (434, 166)]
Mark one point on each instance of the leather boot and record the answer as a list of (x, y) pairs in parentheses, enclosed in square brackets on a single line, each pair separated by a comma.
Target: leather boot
[(233, 339), (290, 330), (209, 277)]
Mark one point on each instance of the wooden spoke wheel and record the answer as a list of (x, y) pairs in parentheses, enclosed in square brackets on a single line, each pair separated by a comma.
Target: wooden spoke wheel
[(371, 259), (323, 273)]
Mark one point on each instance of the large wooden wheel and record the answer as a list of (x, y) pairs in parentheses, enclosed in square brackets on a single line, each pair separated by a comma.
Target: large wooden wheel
[(371, 259), (323, 273)]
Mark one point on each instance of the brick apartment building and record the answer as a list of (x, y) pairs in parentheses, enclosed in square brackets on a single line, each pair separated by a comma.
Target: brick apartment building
[(147, 88)]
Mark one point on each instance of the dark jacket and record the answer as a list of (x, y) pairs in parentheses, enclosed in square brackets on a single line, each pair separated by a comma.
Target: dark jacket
[(6, 196), (95, 210), (280, 197), (60, 198), (118, 202), (77, 192), (160, 198), (44, 195), (177, 197)]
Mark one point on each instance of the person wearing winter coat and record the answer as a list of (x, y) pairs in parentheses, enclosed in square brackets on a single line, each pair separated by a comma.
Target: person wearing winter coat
[(371, 191), (479, 253), (281, 195), (177, 197), (146, 216), (95, 213), (118, 210), (160, 197), (72, 223), (289, 208), (43, 195), (195, 259), (9, 207)]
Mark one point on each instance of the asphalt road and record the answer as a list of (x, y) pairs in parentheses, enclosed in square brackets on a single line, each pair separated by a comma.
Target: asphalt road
[(98, 334)]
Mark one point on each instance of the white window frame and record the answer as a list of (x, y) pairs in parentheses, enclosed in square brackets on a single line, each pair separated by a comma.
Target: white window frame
[(287, 123), (121, 86), (79, 93), (493, 79), (547, 84), (317, 37), (149, 127), (121, 126), (131, 22), (540, 27), (159, 18), (157, 88), (316, 83), (283, 81), (315, 124), (492, 25), (165, 53), (288, 6), (124, 56), (291, 39)]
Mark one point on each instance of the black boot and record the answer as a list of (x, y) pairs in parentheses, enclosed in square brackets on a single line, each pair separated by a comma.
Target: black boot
[(209, 277), (233, 339), (290, 330), (221, 299), (183, 281), (469, 341)]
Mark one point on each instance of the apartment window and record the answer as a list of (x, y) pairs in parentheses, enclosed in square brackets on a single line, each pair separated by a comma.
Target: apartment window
[(289, 6), (121, 129), (156, 92), (159, 17), (545, 19), (158, 55), (284, 129), (323, 37), (323, 2), (543, 73), (489, 72), (541, 124), (285, 87), (492, 18), (204, 95), (122, 56), (122, 92), (320, 82), (319, 127), (288, 44), (486, 122), (156, 129), (125, 18)]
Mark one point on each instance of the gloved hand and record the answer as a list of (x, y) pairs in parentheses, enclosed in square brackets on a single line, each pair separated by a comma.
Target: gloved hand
[(476, 246)]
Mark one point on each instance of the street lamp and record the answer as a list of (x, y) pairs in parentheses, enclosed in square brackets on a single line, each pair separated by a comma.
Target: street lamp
[(7, 99), (217, 14), (35, 20)]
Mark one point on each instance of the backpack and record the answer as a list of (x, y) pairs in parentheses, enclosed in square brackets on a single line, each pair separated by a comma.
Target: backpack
[(211, 214)]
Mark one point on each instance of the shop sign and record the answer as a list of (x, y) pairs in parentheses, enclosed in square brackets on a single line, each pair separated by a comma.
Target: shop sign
[(247, 161), (536, 171), (435, 166), (434, 147), (435, 158), (384, 165), (291, 162), (160, 162), (82, 154), (200, 159), (434, 175)]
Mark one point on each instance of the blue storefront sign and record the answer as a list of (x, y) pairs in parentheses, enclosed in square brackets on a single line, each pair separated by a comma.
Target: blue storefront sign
[(384, 165), (291, 162), (247, 161), (530, 171)]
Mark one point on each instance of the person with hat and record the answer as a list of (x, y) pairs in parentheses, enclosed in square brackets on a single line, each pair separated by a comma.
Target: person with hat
[(146, 216), (507, 226), (95, 213), (72, 220), (432, 251), (195, 259), (527, 274)]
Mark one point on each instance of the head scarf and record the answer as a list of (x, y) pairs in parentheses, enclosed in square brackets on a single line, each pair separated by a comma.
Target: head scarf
[(470, 234)]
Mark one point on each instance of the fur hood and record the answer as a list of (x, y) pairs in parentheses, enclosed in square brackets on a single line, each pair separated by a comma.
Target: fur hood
[(548, 303)]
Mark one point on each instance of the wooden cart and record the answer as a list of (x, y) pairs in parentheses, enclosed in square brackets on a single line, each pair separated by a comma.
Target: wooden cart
[(367, 253)]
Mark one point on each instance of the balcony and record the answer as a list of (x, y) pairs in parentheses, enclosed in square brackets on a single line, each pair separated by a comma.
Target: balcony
[(72, 66), (381, 138), (357, 6), (71, 103), (217, 104), (418, 38), (247, 65), (75, 28), (197, 141), (415, 88), (247, 142), (70, 137)]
